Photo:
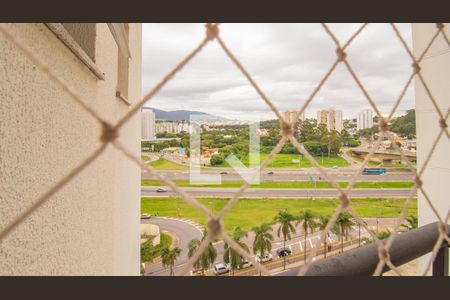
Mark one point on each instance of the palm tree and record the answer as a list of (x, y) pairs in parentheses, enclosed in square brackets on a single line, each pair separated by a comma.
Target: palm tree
[(285, 220), (207, 258), (231, 256), (412, 223), (306, 217), (262, 243), (344, 222), (169, 257), (323, 221)]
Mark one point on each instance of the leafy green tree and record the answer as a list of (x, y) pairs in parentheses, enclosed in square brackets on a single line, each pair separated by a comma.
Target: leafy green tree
[(148, 250), (207, 258), (285, 220), (412, 222), (344, 222), (216, 160), (168, 258), (321, 224), (306, 130), (405, 125), (307, 219), (231, 256), (262, 243), (383, 234)]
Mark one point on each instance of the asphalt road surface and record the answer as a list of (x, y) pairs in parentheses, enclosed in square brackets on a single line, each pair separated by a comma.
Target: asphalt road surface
[(288, 175), (184, 233), (150, 191)]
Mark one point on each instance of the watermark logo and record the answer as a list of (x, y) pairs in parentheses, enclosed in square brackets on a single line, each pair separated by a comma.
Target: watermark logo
[(198, 158)]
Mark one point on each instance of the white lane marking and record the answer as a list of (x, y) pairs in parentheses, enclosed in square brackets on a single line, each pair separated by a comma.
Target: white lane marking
[(312, 246), (290, 248), (300, 244), (192, 223)]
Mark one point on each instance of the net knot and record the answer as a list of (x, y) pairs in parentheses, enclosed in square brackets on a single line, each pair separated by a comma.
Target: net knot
[(341, 54), (416, 67), (212, 30), (214, 226), (443, 230), (443, 124), (109, 133), (286, 129), (384, 125), (383, 254), (440, 26), (345, 202), (418, 182)]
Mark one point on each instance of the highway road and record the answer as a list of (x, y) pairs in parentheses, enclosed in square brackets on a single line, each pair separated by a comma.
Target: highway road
[(150, 191), (288, 175)]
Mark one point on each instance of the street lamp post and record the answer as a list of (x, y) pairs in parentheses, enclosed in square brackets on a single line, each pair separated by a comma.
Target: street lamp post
[(359, 235)]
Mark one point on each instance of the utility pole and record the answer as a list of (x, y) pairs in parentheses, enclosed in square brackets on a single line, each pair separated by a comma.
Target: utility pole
[(359, 235)]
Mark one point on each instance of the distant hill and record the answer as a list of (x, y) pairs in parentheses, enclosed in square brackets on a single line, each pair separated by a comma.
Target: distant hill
[(180, 115)]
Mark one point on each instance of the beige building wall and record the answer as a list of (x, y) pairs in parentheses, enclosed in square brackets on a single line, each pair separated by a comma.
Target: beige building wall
[(91, 226), (436, 72)]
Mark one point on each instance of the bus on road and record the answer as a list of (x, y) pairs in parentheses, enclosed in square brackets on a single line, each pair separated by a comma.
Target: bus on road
[(374, 171)]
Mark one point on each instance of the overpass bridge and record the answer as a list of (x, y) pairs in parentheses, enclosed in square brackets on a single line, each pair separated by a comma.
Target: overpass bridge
[(383, 156)]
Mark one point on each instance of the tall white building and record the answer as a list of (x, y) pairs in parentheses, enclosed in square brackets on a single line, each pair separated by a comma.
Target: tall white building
[(365, 119), (148, 124), (332, 118), (290, 114)]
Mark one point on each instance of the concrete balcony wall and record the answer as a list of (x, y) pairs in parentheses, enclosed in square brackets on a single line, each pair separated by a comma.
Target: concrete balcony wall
[(436, 72), (91, 226)]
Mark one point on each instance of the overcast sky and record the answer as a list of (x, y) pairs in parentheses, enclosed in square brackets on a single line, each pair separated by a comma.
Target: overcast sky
[(286, 60)]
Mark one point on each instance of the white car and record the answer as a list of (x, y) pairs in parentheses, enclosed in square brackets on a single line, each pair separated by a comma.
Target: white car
[(264, 258), (146, 216), (221, 269), (245, 264)]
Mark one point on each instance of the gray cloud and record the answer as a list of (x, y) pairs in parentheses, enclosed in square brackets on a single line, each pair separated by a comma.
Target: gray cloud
[(286, 60)]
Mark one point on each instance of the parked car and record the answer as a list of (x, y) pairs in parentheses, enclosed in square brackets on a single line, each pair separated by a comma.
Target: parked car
[(221, 269), (270, 173), (160, 190), (223, 173), (283, 252), (245, 264), (334, 168), (264, 258), (146, 216)]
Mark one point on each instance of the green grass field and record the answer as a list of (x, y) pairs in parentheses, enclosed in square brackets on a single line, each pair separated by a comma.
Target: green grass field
[(288, 184), (285, 161), (144, 158), (164, 164), (250, 212)]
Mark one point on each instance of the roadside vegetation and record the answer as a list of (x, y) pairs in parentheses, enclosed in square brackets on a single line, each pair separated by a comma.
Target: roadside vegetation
[(164, 164), (251, 212), (150, 252)]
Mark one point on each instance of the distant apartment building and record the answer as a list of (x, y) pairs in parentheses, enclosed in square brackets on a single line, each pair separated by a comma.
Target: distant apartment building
[(332, 118), (289, 115), (172, 127), (365, 119), (148, 130)]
